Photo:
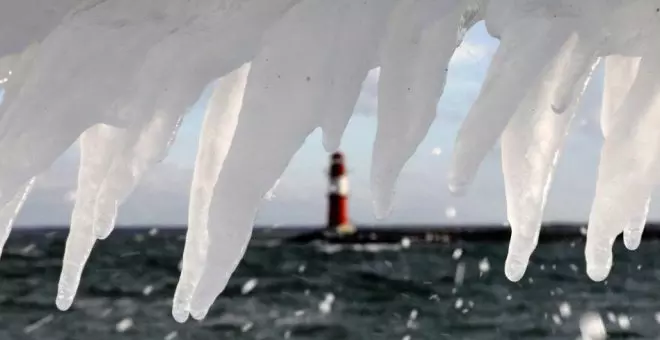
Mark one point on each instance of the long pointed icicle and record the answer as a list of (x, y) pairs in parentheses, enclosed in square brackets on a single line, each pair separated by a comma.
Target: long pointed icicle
[(520, 59), (620, 74), (338, 111), (414, 61), (531, 146), (628, 171), (144, 148), (585, 54), (97, 145), (170, 91), (217, 133), (340, 42), (101, 148), (9, 212)]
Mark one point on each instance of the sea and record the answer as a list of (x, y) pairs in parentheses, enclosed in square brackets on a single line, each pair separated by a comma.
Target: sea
[(326, 291)]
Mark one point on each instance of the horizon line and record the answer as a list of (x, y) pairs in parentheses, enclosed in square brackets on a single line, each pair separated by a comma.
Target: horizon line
[(476, 226)]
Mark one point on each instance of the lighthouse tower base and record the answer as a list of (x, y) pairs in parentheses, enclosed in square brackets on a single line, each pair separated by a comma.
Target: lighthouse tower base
[(345, 229)]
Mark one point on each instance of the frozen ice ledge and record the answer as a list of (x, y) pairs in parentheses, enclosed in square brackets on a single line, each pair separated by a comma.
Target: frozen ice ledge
[(118, 76)]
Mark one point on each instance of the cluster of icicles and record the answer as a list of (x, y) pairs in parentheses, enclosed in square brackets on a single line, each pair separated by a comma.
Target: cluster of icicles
[(119, 75)]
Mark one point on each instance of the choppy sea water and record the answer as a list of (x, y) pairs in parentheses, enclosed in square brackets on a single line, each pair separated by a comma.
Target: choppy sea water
[(328, 292)]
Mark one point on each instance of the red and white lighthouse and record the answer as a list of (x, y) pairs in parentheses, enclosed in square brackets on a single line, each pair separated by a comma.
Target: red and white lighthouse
[(338, 220)]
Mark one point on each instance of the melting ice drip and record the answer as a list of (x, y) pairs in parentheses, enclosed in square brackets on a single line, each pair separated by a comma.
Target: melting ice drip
[(119, 76)]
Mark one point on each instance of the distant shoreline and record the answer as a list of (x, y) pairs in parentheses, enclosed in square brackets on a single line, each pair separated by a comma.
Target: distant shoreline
[(473, 226), (551, 232), (555, 226)]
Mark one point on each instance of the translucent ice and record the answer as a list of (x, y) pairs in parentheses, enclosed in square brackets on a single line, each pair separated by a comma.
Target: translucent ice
[(96, 151), (414, 59), (586, 30), (79, 78), (137, 149), (340, 44), (620, 73), (519, 62), (10, 210), (119, 75), (217, 133), (530, 149), (627, 172)]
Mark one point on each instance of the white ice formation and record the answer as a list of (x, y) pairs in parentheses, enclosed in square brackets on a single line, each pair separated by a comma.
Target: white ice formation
[(119, 75)]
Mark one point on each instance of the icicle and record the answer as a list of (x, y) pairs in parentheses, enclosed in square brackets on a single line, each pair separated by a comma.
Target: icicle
[(620, 73), (628, 171), (139, 65), (265, 140), (9, 212), (82, 69), (170, 91), (97, 146), (337, 103), (338, 111), (143, 149), (585, 57), (530, 149), (217, 133), (101, 145), (414, 61), (173, 77), (520, 59)]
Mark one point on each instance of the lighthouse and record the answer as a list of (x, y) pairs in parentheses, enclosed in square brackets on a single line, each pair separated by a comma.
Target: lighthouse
[(338, 221)]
